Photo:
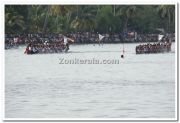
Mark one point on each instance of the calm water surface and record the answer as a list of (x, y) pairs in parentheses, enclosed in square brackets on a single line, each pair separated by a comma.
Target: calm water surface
[(140, 86)]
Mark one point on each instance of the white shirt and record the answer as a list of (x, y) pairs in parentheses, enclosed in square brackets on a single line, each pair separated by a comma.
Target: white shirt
[(100, 37), (65, 40), (15, 40), (29, 48)]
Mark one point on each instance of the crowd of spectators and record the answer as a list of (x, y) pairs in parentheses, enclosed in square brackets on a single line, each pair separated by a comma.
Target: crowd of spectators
[(12, 40)]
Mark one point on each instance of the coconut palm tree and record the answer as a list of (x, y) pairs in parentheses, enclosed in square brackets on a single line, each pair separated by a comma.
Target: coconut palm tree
[(57, 11), (167, 12), (85, 19), (14, 22), (36, 18), (127, 12)]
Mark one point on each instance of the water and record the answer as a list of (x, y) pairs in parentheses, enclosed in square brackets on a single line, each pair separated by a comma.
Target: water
[(140, 86)]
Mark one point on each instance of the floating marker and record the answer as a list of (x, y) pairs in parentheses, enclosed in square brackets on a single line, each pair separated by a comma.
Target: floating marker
[(122, 56)]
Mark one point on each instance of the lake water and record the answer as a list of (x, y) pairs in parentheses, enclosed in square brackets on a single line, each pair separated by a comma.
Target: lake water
[(140, 86)]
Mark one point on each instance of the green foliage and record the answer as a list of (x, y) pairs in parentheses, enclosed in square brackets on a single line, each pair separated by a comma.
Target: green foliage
[(98, 18), (14, 22), (105, 19), (85, 18)]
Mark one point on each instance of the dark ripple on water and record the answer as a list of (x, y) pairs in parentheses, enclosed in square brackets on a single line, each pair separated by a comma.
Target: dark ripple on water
[(126, 109), (131, 83), (80, 110)]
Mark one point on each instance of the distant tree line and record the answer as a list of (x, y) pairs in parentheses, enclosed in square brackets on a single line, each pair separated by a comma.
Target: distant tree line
[(143, 19)]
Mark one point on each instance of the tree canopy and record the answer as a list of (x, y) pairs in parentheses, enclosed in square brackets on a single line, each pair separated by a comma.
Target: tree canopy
[(91, 18)]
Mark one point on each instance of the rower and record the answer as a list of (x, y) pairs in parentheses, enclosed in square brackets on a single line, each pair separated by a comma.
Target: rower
[(67, 41), (100, 39)]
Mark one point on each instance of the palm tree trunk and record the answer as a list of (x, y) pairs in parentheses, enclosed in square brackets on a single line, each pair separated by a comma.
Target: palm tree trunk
[(114, 10), (97, 10), (68, 20), (57, 23), (77, 11), (46, 19), (27, 23), (125, 26)]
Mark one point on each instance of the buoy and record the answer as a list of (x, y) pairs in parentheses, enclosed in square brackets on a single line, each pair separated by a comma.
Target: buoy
[(122, 56)]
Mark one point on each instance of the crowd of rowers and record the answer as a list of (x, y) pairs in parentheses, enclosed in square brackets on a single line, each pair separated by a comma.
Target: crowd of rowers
[(46, 47), (159, 47)]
